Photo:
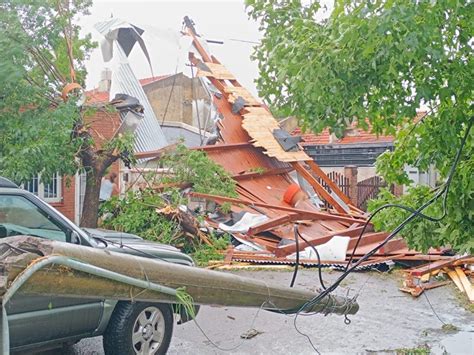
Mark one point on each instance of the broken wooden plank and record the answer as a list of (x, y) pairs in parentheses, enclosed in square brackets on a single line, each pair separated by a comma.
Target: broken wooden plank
[(469, 260), (419, 271), (318, 188), (465, 284), (367, 238), (319, 172), (393, 246), (304, 214), (272, 223), (454, 276), (291, 248), (417, 290)]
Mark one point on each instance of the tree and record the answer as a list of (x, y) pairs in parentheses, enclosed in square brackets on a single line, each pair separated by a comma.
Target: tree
[(41, 51), (377, 62)]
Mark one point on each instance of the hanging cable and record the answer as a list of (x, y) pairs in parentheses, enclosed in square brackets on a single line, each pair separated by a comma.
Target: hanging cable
[(415, 213), (442, 190), (295, 272), (320, 273)]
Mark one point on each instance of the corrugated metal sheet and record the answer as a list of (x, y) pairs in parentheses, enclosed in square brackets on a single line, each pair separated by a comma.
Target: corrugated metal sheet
[(149, 135), (269, 189)]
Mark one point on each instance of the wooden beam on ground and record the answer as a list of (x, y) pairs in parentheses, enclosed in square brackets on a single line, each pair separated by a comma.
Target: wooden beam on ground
[(367, 238), (272, 223), (454, 276), (393, 245), (304, 214), (321, 191), (469, 260), (291, 248), (426, 269), (465, 284)]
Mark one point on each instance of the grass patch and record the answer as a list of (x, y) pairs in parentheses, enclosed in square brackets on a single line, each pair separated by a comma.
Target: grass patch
[(421, 350)]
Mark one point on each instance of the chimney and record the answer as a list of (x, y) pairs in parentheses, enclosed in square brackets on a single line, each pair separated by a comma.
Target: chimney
[(105, 80)]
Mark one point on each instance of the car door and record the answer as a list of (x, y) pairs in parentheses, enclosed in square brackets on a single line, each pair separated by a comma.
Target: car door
[(37, 319)]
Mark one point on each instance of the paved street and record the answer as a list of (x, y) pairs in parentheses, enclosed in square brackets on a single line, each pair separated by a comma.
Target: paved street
[(388, 320)]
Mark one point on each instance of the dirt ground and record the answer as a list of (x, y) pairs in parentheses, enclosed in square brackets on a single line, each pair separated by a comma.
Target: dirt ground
[(387, 322)]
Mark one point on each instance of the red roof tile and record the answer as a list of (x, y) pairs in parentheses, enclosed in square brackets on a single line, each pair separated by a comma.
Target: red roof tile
[(97, 97), (357, 136)]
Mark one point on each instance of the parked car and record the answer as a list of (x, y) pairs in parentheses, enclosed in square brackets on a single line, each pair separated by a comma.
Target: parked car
[(50, 321)]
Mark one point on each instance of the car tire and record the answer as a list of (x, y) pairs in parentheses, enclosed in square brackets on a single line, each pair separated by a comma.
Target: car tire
[(139, 328)]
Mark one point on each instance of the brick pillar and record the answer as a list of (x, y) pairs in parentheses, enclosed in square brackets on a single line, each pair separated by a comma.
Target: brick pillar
[(398, 190), (350, 172)]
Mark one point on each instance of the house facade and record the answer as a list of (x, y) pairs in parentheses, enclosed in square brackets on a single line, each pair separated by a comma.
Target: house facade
[(66, 193)]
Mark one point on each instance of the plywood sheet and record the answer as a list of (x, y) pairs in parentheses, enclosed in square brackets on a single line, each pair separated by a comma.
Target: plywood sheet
[(259, 124), (217, 71), (236, 91)]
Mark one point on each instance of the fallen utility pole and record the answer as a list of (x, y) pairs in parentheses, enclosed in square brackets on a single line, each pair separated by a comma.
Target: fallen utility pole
[(17, 254)]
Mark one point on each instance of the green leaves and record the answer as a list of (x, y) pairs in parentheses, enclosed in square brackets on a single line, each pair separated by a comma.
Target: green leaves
[(381, 62), (35, 124), (194, 167)]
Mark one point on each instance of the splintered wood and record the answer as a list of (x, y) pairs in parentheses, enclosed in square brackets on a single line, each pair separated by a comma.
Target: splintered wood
[(420, 278), (217, 71), (259, 124)]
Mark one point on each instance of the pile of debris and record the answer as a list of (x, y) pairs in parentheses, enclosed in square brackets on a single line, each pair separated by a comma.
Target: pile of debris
[(260, 158), (433, 275), (266, 163)]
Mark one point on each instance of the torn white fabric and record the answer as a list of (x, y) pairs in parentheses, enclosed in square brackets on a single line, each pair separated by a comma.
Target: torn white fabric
[(242, 226), (334, 250)]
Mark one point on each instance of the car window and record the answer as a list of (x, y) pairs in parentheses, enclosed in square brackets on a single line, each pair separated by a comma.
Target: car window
[(19, 216)]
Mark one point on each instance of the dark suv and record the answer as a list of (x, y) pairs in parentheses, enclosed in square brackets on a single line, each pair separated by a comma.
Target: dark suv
[(44, 321)]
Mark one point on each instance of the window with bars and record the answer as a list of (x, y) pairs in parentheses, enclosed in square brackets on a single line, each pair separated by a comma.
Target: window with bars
[(50, 192)]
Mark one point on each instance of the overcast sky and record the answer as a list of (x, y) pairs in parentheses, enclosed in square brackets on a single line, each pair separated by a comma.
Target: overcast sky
[(224, 20)]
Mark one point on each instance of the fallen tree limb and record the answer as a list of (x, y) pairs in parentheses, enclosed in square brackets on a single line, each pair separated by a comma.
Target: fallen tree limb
[(186, 221)]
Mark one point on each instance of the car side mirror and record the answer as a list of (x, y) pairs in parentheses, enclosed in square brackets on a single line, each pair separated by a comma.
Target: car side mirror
[(75, 238)]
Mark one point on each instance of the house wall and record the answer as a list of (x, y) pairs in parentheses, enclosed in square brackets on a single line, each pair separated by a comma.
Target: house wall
[(103, 125), (183, 91), (66, 206)]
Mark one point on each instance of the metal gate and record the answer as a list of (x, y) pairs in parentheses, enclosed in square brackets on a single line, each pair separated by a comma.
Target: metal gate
[(368, 189), (339, 179)]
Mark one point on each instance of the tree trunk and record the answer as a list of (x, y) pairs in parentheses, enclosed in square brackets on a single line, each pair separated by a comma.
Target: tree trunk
[(90, 210)]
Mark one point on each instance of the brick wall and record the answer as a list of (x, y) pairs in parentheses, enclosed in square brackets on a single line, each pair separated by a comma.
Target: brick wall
[(66, 207), (102, 126)]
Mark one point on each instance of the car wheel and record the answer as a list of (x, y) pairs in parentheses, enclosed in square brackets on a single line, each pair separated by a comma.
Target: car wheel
[(139, 328)]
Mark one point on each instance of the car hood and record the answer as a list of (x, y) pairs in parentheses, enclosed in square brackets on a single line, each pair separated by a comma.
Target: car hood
[(135, 245)]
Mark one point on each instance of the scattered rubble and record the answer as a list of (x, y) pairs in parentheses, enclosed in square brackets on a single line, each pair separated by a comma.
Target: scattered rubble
[(268, 206)]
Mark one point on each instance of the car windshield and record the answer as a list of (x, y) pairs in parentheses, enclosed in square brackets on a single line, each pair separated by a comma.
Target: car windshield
[(19, 216)]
